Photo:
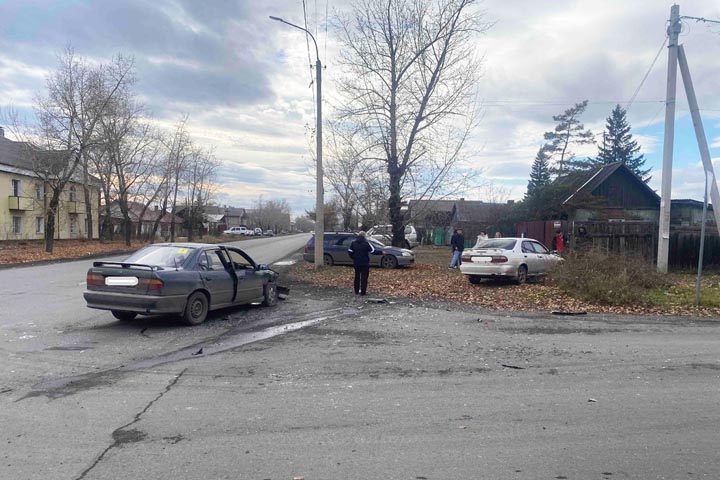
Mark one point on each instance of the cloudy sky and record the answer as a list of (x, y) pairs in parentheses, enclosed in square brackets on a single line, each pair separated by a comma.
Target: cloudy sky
[(244, 80)]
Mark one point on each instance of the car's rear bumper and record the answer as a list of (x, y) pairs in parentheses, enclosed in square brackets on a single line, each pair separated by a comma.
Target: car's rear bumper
[(135, 303), (488, 270)]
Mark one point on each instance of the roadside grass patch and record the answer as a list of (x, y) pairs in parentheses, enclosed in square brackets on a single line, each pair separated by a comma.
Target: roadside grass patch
[(608, 279), (681, 292)]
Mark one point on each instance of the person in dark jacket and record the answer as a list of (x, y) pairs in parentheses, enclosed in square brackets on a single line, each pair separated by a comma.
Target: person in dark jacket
[(360, 251), (457, 242)]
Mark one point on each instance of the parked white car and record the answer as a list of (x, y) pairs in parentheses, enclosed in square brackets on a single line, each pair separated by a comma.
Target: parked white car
[(511, 258), (383, 233), (259, 232), (236, 231)]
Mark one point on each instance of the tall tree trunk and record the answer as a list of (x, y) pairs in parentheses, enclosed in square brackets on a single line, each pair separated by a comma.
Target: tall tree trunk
[(87, 198), (396, 216), (50, 221)]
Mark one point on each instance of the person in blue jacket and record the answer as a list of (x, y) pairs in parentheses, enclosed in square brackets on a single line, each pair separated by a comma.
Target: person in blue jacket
[(457, 242), (360, 251)]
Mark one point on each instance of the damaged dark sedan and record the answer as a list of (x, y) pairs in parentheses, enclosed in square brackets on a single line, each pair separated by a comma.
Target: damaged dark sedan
[(186, 279)]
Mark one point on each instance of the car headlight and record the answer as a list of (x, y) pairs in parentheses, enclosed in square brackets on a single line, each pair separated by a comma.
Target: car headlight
[(405, 253)]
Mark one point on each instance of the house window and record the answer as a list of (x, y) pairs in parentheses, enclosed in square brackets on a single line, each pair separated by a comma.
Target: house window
[(72, 194), (73, 224), (17, 225), (15, 187), (39, 191), (39, 225)]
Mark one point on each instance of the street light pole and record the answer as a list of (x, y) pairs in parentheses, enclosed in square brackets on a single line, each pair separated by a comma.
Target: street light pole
[(319, 191)]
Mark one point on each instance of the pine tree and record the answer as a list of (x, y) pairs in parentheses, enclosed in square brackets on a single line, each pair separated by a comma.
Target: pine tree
[(540, 172), (619, 146), (568, 131)]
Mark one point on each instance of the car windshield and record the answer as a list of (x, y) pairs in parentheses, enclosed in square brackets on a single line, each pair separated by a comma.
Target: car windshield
[(161, 255), (498, 243)]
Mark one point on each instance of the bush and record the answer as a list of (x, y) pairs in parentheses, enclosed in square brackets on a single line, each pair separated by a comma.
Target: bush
[(607, 278)]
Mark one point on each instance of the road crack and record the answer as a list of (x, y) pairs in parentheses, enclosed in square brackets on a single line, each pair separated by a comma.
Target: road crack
[(123, 434)]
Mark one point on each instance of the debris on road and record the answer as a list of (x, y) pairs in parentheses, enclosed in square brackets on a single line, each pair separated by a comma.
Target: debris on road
[(512, 366)]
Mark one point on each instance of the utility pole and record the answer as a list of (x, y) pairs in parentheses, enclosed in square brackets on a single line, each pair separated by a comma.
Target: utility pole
[(319, 190), (673, 32)]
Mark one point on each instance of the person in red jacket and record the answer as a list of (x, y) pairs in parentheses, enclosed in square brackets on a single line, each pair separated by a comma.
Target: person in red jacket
[(559, 242)]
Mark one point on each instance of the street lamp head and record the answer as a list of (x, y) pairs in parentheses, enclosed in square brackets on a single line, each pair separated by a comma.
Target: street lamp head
[(277, 19)]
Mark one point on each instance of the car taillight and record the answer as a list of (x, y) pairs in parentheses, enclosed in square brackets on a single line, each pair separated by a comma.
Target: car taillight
[(95, 279), (498, 259), (466, 258), (153, 285), (307, 249)]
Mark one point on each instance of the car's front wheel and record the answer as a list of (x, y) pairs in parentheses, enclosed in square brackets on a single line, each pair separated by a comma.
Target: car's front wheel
[(388, 261), (521, 275), (196, 309), (123, 316), (270, 294)]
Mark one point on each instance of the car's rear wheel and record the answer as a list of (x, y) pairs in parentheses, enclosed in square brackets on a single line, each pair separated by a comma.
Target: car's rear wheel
[(123, 316), (328, 260), (196, 309), (388, 261), (474, 279), (270, 293), (521, 275)]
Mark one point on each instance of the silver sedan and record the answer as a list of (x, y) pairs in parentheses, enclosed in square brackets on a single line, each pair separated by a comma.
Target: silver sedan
[(508, 258)]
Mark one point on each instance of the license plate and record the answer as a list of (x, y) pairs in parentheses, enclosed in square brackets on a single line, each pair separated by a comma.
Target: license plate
[(121, 281), (481, 259)]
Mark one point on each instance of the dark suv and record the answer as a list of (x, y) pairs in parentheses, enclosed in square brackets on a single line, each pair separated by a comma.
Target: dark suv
[(335, 251)]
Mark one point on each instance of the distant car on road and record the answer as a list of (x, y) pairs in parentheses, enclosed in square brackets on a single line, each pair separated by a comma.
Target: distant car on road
[(186, 279), (236, 231), (507, 258), (268, 233), (258, 232), (335, 251)]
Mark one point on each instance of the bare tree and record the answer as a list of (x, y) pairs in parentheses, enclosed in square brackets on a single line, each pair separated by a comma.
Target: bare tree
[(409, 87), (179, 149), (271, 214), (200, 185), (78, 96)]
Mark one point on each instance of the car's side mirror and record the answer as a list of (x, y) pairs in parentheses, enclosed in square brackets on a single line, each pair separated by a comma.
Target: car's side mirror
[(263, 266)]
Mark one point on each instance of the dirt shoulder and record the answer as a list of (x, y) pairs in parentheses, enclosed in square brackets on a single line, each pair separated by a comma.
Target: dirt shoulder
[(431, 281)]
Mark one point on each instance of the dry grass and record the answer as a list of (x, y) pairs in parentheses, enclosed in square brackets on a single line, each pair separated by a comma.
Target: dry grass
[(430, 279)]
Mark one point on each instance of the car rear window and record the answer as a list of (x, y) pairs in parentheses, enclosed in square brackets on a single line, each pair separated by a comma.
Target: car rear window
[(498, 243), (161, 255)]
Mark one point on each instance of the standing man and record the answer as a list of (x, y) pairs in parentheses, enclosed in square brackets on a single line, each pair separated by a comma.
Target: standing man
[(360, 251), (457, 242)]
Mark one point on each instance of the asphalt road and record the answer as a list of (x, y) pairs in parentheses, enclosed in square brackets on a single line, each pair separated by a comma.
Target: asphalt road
[(324, 386)]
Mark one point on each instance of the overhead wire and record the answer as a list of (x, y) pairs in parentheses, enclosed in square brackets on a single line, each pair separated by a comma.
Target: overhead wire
[(642, 82)]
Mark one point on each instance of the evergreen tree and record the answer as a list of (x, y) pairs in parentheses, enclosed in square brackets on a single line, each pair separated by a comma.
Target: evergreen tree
[(619, 146), (540, 172), (568, 131)]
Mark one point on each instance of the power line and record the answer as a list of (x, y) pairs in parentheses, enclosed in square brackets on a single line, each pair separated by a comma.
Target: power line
[(642, 82), (502, 103)]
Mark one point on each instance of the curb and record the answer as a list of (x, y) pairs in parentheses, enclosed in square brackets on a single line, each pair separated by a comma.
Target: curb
[(34, 263)]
